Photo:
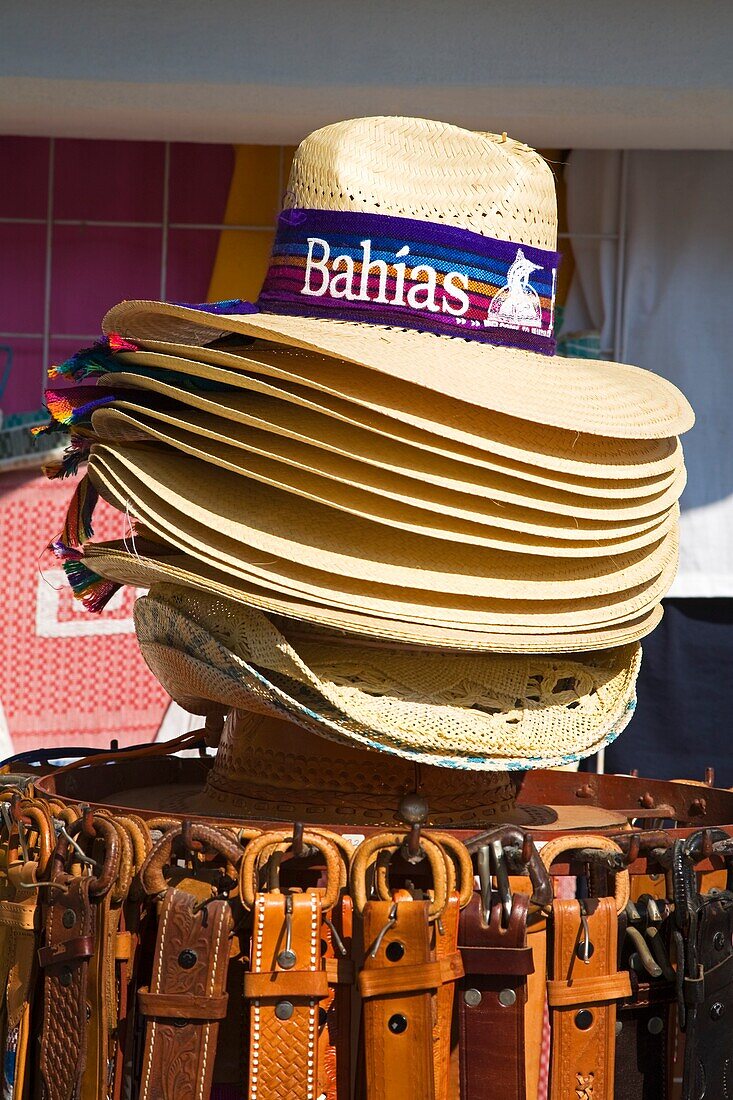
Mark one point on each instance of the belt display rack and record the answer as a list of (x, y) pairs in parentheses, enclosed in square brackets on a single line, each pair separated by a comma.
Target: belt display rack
[(157, 956)]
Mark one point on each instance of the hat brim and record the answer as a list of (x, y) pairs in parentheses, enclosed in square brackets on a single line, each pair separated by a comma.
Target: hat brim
[(494, 594), (140, 564), (513, 734), (591, 396), (254, 451)]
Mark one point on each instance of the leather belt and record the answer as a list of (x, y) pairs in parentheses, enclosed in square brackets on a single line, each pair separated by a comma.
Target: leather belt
[(286, 984), (396, 984), (335, 1037), (581, 996), (585, 983), (70, 925), (186, 998), (709, 998), (492, 1000), (70, 921)]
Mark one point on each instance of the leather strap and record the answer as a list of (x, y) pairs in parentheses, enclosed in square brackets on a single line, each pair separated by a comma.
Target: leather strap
[(398, 1027), (709, 999), (445, 951), (642, 1041), (190, 967), (18, 927), (335, 1037), (286, 986), (101, 1006), (582, 997), (70, 923), (492, 1000)]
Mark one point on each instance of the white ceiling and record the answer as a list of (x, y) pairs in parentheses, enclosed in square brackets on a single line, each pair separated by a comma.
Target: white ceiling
[(567, 73)]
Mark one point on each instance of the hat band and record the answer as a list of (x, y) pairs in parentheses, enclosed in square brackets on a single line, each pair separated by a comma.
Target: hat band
[(384, 270)]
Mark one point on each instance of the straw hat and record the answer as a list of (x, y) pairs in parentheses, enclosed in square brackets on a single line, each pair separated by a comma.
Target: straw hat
[(247, 530), (142, 563), (269, 769), (475, 712), (426, 253), (391, 409), (260, 454)]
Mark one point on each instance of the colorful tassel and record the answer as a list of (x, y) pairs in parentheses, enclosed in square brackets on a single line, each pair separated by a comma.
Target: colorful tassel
[(231, 306), (73, 407), (94, 591), (94, 360), (71, 459)]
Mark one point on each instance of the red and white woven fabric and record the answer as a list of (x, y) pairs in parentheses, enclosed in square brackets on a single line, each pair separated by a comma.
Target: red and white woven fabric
[(67, 677)]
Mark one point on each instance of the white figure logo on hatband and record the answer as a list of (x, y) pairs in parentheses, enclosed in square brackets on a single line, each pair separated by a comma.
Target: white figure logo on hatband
[(518, 303)]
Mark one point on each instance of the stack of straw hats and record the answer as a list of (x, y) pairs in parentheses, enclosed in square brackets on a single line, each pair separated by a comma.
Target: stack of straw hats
[(382, 513)]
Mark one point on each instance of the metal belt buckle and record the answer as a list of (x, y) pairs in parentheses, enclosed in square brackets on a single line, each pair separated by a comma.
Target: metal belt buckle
[(503, 851)]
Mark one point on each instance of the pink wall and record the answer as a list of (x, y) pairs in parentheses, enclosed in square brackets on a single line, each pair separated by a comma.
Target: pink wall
[(84, 224)]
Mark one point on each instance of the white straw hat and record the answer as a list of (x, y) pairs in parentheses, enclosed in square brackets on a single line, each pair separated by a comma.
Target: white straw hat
[(427, 253), (475, 712)]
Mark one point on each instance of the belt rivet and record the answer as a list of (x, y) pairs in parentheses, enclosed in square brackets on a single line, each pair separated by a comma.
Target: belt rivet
[(716, 1010), (655, 1025), (619, 1027), (187, 959), (65, 976), (284, 1010), (397, 1023), (394, 951), (472, 997), (507, 997), (286, 960), (583, 1019), (718, 941), (69, 918)]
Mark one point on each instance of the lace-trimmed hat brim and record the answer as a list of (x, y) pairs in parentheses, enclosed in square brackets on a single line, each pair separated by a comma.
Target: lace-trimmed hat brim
[(475, 712)]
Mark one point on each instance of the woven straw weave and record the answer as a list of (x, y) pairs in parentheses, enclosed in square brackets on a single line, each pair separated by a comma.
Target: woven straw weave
[(474, 710)]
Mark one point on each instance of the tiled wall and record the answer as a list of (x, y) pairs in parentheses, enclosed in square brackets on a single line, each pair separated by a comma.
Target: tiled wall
[(84, 224)]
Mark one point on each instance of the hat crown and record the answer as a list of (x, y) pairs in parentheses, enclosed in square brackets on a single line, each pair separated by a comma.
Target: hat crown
[(431, 171)]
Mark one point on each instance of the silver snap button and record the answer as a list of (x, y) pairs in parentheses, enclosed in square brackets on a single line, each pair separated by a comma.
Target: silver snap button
[(472, 997), (655, 1025), (507, 997), (284, 1010), (583, 1019), (286, 960)]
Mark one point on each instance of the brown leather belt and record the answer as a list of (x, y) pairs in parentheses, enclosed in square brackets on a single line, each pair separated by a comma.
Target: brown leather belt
[(70, 921), (492, 998), (186, 999)]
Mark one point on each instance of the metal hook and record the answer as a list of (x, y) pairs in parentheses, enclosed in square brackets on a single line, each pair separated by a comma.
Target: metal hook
[(390, 923), (296, 844), (501, 875), (83, 857), (337, 941), (585, 928)]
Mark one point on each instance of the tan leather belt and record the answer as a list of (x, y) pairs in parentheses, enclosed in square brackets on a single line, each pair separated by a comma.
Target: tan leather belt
[(582, 998), (285, 987), (186, 998), (396, 984), (492, 999), (335, 1036)]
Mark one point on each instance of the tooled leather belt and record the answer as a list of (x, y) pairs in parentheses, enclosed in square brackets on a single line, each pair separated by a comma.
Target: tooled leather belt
[(186, 998), (492, 998), (286, 983)]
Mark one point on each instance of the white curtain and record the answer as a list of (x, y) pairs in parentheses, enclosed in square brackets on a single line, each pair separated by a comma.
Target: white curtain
[(677, 316)]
